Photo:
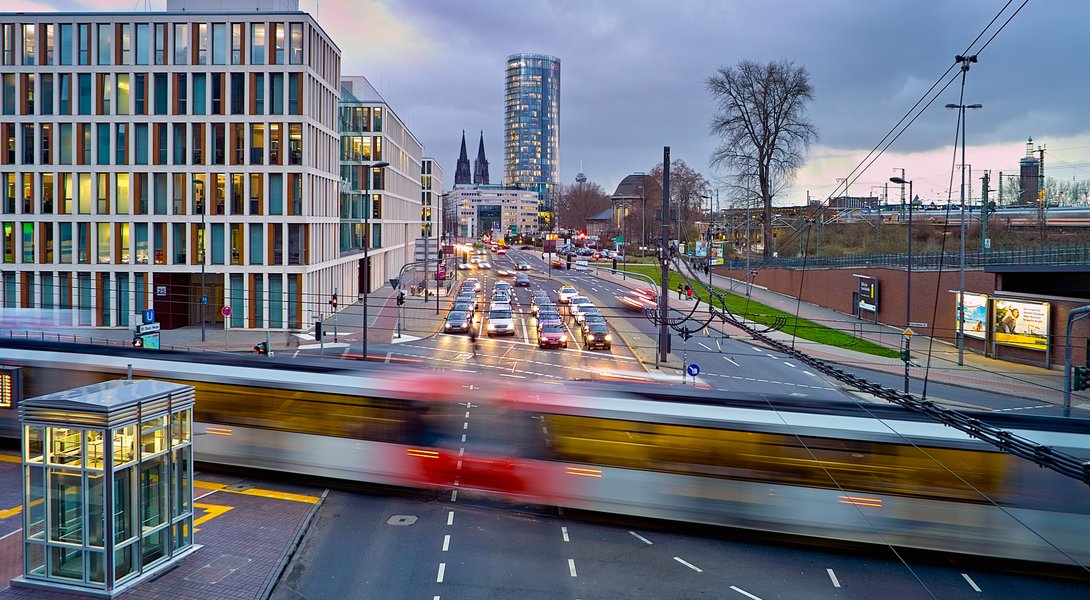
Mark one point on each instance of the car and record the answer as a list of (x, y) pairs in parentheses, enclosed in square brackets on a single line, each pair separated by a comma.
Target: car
[(639, 299), (576, 302), (552, 335), (501, 286), (458, 322), (501, 296), (467, 297), (501, 322), (504, 272), (526, 247), (522, 266), (539, 303), (501, 251), (464, 266), (582, 265), (463, 306), (522, 280), (484, 264), (565, 294), (597, 336), (549, 318), (590, 320), (476, 283), (584, 310)]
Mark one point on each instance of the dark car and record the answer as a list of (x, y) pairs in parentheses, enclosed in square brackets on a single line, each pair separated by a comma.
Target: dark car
[(457, 322), (522, 280), (550, 317), (522, 266), (553, 335), (464, 306), (592, 319), (597, 336), (468, 297), (540, 303)]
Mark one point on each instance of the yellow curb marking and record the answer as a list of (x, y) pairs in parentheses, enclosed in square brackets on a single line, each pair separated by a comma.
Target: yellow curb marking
[(10, 458), (212, 510), (222, 487), (11, 512), (208, 485)]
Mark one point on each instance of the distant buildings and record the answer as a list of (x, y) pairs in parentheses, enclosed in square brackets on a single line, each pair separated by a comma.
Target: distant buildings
[(1029, 177), (532, 129), (471, 211)]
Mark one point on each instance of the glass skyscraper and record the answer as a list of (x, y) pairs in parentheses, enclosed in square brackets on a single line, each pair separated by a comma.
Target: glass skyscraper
[(532, 129)]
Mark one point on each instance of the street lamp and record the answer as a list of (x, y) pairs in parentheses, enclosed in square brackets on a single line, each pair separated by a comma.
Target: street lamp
[(369, 169), (961, 270), (908, 285), (198, 198), (643, 221)]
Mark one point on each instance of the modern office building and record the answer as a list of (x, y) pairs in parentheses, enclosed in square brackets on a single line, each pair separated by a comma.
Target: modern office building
[(532, 129), (149, 159), (475, 210), (371, 132)]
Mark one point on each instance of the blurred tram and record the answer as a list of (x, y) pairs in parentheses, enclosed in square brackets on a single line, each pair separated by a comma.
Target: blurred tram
[(868, 473)]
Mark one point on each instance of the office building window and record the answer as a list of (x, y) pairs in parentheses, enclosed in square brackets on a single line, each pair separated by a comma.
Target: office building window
[(47, 144), (257, 194), (181, 33), (179, 143), (143, 44), (64, 144), (123, 93), (199, 94), (202, 43), (122, 157), (7, 40), (105, 94), (236, 43), (179, 243), (296, 43), (217, 93), (257, 44), (66, 248), (294, 92), (30, 56), (64, 94), (84, 43), (105, 44), (257, 83), (219, 43), (141, 243), (125, 42), (28, 143), (122, 199), (160, 43), (181, 93), (257, 245), (140, 144), (83, 189), (48, 52), (276, 94), (159, 243), (197, 131), (9, 93), (278, 39), (257, 143), (102, 189), (160, 93), (65, 57), (84, 93), (295, 143), (238, 93), (140, 97), (219, 150), (29, 95), (103, 135)]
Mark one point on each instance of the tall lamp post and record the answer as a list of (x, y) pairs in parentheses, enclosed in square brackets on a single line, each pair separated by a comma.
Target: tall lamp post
[(643, 221), (908, 284), (369, 170), (961, 270), (198, 197)]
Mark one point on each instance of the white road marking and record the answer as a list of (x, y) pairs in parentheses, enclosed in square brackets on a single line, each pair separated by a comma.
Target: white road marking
[(388, 355), (512, 376), (564, 532), (461, 451), (571, 566), (704, 346), (688, 564), (790, 365), (641, 538), (972, 583), (772, 356), (809, 373), (450, 518), (744, 593), (442, 570), (836, 582), (454, 495), (459, 467), (465, 425), (467, 414), (463, 437), (732, 361), (446, 543)]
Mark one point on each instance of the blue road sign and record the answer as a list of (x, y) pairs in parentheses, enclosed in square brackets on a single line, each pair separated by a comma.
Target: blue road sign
[(149, 315), (693, 369), (204, 299)]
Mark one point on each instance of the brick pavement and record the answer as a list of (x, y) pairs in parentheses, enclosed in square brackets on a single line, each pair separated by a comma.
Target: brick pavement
[(241, 554)]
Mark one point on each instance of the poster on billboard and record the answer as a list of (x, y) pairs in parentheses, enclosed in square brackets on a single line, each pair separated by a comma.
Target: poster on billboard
[(868, 293), (1021, 323), (976, 315), (701, 249)]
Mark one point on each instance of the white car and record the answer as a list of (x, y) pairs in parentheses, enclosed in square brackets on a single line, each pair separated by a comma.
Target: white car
[(565, 294), (484, 264), (501, 321), (577, 305), (476, 283)]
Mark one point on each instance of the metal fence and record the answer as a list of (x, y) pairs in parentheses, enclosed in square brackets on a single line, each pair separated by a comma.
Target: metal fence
[(67, 338), (1051, 255)]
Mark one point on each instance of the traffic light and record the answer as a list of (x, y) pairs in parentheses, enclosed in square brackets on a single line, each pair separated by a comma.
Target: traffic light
[(906, 354), (138, 342), (400, 298), (262, 348), (333, 301), (1081, 379), (318, 330)]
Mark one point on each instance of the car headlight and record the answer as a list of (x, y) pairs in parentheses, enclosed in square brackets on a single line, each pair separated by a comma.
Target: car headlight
[(609, 338), (563, 338)]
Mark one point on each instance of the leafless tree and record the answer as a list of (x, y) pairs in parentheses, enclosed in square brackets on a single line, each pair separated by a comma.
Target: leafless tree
[(686, 188), (577, 203), (762, 123)]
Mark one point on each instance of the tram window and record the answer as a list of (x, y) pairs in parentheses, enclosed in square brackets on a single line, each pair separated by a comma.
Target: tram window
[(11, 386)]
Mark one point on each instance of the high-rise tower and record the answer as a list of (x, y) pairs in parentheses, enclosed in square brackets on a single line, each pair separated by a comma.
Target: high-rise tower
[(461, 171), (480, 166), (532, 128)]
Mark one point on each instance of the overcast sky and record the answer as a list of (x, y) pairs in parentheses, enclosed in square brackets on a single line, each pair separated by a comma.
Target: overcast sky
[(633, 74)]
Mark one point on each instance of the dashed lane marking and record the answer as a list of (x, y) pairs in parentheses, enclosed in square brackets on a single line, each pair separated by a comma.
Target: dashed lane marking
[(641, 538), (732, 361), (832, 576), (571, 567), (564, 532), (442, 570), (450, 518), (688, 564), (972, 583), (446, 543), (744, 593)]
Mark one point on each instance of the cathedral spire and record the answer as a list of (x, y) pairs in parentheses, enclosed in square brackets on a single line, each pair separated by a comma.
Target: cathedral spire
[(461, 172), (480, 166)]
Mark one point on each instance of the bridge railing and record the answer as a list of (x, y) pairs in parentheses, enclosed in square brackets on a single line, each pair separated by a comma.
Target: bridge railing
[(68, 338), (1057, 254)]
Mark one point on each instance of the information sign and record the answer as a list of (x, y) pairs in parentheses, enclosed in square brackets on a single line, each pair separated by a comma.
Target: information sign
[(693, 369)]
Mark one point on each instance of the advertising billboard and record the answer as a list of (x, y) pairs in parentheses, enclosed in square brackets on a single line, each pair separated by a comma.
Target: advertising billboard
[(868, 294), (1020, 323), (976, 315), (701, 249)]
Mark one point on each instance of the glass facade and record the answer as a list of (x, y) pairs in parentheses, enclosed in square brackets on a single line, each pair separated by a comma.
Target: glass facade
[(532, 128)]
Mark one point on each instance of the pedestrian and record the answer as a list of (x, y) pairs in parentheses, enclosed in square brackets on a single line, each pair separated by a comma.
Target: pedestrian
[(473, 338), (679, 291), (688, 292)]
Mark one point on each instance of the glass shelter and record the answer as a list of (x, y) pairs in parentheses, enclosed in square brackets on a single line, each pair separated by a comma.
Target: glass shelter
[(107, 484)]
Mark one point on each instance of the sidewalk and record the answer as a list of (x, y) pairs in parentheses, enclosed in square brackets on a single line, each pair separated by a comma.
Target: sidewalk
[(1016, 379)]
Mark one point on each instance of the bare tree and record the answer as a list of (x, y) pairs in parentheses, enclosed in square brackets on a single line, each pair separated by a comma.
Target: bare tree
[(763, 127), (577, 203), (686, 188)]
